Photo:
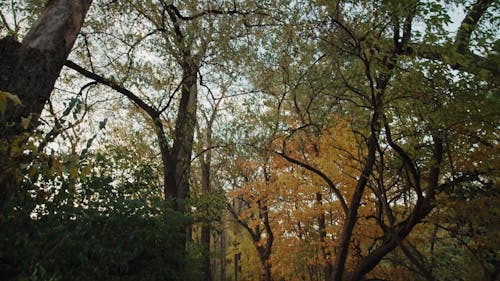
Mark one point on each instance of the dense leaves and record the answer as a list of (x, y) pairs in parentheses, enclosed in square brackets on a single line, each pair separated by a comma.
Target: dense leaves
[(259, 140), (80, 225)]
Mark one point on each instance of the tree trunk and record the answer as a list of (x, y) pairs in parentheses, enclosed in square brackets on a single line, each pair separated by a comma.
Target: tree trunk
[(29, 71), (341, 258), (325, 251), (266, 249), (205, 243), (205, 228), (206, 164), (223, 256), (177, 168), (265, 273)]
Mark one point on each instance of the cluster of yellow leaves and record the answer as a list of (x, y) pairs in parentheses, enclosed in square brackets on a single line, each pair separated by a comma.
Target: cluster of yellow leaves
[(297, 199), (248, 261)]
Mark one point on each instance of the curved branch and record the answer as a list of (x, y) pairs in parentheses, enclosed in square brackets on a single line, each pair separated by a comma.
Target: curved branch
[(469, 24), (212, 12), (173, 14), (406, 158), (151, 111), (316, 171), (252, 233)]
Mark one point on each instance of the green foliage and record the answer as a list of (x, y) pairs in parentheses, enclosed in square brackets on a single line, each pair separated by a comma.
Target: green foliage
[(5, 98), (286, 73), (208, 208), (77, 226)]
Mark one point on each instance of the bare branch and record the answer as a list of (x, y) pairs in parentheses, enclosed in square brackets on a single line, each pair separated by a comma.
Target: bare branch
[(406, 159)]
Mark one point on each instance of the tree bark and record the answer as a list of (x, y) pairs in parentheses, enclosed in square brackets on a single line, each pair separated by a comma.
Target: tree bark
[(223, 256), (205, 227), (29, 71), (345, 240), (265, 274), (325, 251), (177, 169), (205, 243), (206, 162)]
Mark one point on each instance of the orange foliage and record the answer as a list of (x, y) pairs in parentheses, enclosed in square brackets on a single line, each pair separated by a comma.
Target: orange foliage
[(299, 199)]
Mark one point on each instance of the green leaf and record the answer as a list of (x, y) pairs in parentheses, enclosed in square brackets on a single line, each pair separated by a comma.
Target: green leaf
[(5, 97), (15, 99), (25, 122)]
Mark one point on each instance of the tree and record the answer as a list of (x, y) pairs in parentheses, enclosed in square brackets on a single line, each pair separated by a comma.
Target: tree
[(185, 36), (207, 174), (187, 42), (368, 74), (28, 71), (251, 209), (353, 138)]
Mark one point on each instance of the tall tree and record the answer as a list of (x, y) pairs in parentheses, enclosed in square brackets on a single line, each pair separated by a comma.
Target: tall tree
[(184, 36), (370, 64), (28, 70), (251, 209)]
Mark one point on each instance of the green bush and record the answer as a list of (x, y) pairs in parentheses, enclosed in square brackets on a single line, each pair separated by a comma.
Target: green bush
[(57, 230)]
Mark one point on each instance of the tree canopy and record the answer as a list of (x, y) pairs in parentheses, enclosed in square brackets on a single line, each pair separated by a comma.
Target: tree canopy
[(249, 140)]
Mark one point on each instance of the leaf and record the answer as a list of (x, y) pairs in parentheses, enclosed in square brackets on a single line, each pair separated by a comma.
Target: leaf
[(5, 97), (25, 122), (15, 99)]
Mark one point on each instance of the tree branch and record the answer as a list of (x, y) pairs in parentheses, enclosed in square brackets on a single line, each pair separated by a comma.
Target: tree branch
[(468, 62), (316, 171), (406, 159), (469, 24), (152, 112), (252, 233), (212, 12)]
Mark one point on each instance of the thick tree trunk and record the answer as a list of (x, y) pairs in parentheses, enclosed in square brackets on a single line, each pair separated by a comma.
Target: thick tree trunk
[(265, 267), (177, 168), (205, 242), (223, 256), (29, 71)]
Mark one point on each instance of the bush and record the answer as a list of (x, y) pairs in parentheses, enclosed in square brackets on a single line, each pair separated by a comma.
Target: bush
[(53, 232)]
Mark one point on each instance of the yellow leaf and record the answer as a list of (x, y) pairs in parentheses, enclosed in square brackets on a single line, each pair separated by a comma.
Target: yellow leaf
[(25, 122), (86, 170), (73, 172)]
